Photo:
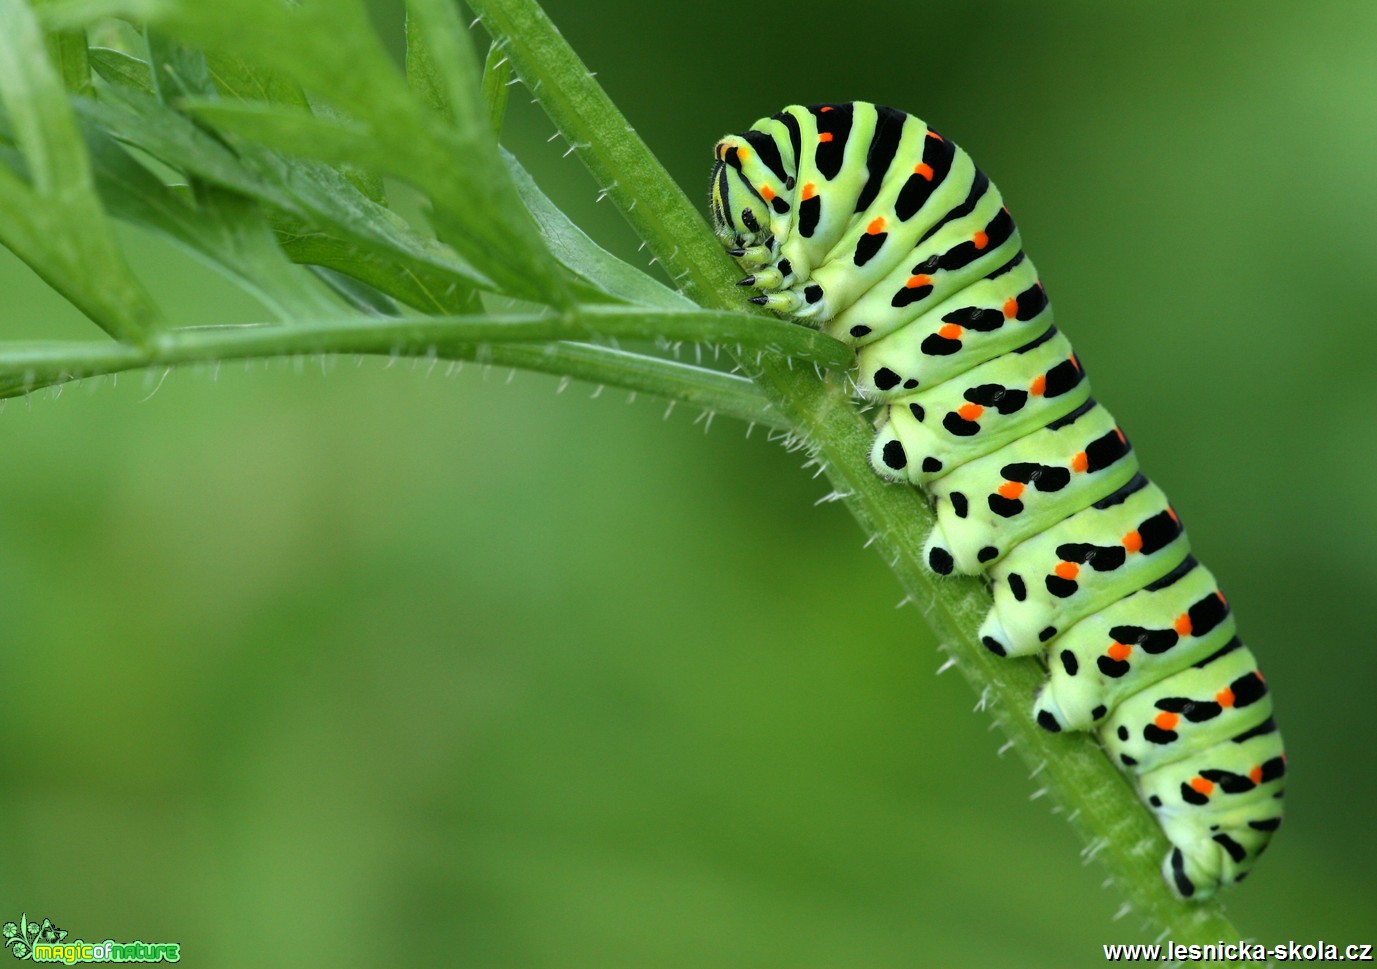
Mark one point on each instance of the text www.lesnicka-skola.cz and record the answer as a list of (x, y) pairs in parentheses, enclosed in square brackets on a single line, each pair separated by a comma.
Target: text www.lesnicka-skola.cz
[(1239, 951)]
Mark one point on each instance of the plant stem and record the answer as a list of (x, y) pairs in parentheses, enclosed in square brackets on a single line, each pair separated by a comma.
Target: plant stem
[(28, 367)]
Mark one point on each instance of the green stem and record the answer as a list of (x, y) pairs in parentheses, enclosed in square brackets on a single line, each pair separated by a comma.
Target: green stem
[(28, 367), (1072, 768)]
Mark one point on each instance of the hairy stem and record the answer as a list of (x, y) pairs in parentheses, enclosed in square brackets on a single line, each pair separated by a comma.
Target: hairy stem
[(28, 367)]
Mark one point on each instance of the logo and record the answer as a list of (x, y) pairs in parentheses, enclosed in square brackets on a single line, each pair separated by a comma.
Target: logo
[(45, 942)]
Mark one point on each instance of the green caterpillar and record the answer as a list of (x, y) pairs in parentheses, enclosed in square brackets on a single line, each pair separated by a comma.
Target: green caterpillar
[(864, 221)]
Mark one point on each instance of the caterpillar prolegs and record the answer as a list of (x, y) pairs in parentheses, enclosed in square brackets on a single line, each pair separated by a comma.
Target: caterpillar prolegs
[(864, 221)]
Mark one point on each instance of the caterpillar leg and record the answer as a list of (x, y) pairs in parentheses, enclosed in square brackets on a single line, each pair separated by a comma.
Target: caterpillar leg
[(768, 278), (774, 275), (806, 302), (994, 637), (785, 301), (751, 257)]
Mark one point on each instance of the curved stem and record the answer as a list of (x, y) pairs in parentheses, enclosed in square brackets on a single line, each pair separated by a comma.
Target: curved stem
[(28, 367)]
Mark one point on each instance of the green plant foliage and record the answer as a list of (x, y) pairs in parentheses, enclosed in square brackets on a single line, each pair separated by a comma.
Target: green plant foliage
[(281, 157)]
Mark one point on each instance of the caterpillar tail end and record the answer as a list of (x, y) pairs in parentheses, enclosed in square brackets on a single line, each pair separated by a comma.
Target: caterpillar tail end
[(1213, 852)]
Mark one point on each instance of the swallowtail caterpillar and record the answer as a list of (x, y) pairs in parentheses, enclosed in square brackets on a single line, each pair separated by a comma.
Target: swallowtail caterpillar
[(865, 222)]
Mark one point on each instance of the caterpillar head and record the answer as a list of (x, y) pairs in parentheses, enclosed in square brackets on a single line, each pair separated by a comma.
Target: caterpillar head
[(740, 216)]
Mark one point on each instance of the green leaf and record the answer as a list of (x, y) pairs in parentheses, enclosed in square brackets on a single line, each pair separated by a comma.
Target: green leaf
[(335, 55), (223, 228), (433, 27), (243, 80), (581, 255), (336, 141), (421, 73), (315, 197), (55, 223), (120, 68), (67, 51), (411, 281), (236, 225), (497, 75), (178, 71)]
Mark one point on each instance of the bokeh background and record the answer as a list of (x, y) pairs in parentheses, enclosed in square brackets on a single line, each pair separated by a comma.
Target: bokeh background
[(352, 665)]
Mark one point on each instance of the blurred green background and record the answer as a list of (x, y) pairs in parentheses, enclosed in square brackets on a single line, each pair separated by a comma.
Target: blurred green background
[(352, 665)]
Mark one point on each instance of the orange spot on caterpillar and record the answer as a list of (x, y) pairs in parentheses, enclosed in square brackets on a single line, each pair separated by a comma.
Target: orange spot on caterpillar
[(1182, 624), (1172, 512), (933, 134), (1167, 721), (1080, 462), (1039, 385), (1255, 775), (923, 170), (1010, 308), (742, 153), (1119, 652), (1067, 570), (1225, 697), (767, 193), (1011, 489), (824, 109), (981, 240), (970, 412), (1074, 362), (1222, 601), (1202, 786), (1124, 440), (809, 190), (915, 281), (950, 331), (825, 136), (876, 226), (1133, 541)]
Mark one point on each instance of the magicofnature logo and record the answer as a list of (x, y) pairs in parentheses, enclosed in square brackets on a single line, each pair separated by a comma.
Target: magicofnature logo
[(45, 942)]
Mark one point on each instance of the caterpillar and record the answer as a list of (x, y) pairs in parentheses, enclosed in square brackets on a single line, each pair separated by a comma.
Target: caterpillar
[(867, 223)]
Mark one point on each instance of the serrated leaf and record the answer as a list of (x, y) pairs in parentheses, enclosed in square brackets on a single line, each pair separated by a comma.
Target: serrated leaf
[(243, 80), (335, 55), (55, 222), (497, 76), (67, 51), (117, 67), (336, 141), (452, 69), (316, 197), (572, 246)]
